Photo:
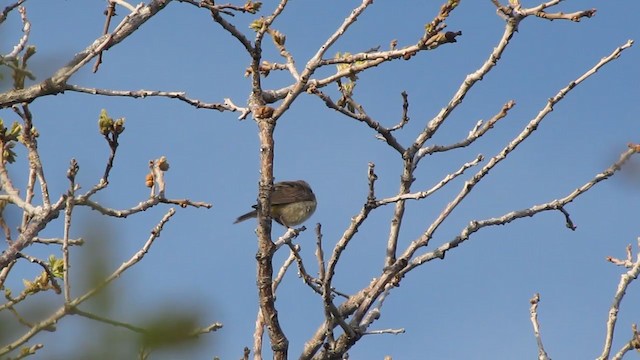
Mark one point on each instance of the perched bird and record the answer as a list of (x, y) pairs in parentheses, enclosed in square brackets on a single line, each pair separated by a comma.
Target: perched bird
[(292, 203)]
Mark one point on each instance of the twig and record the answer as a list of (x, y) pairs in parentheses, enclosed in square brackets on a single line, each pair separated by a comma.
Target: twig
[(51, 278), (283, 269), (575, 16), (182, 96), (479, 129), (290, 234), (105, 320), (385, 331), (542, 355), (141, 206), (433, 189), (109, 13), (195, 333), (29, 140), (8, 9), (26, 30), (383, 133), (28, 351), (258, 334), (342, 244), (71, 175), (404, 119), (632, 344), (48, 241), (374, 314), (215, 14), (625, 281)]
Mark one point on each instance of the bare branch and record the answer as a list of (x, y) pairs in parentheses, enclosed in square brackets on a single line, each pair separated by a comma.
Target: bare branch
[(51, 278), (632, 344), (8, 9), (404, 119), (71, 175), (141, 206), (542, 355), (29, 140), (258, 334), (383, 133), (109, 13), (153, 93), (26, 30), (439, 185), (625, 281), (479, 129), (46, 241), (385, 331), (215, 14)]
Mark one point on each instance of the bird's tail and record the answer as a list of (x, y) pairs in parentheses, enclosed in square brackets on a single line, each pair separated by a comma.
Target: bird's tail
[(247, 216)]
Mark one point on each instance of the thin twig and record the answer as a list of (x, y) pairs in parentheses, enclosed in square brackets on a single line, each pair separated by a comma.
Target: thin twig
[(8, 9), (71, 175), (109, 13), (542, 355), (26, 30), (182, 96), (625, 280)]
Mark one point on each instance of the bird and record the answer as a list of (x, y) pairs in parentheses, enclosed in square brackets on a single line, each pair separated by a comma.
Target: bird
[(292, 203)]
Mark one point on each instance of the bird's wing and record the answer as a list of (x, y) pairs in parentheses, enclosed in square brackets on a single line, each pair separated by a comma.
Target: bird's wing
[(286, 192)]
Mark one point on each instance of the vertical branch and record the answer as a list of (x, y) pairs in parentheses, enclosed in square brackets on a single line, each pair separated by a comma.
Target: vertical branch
[(258, 334), (257, 53), (326, 283), (71, 175), (259, 329), (542, 355), (31, 183), (29, 135), (405, 186), (109, 13), (398, 213), (65, 249), (266, 247), (625, 281)]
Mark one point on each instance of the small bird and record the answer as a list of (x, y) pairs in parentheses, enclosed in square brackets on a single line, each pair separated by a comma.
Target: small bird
[(292, 203)]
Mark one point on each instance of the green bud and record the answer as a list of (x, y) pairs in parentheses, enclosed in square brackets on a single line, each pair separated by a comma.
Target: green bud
[(118, 126), (256, 24), (14, 133), (31, 50), (278, 37), (105, 123), (252, 7), (57, 266)]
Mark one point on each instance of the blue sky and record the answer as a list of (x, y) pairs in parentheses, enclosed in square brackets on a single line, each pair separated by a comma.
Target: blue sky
[(474, 304)]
